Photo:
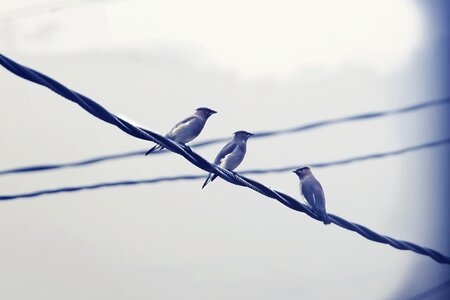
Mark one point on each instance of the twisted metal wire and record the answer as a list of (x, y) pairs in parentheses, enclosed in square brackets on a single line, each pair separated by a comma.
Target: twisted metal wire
[(100, 112)]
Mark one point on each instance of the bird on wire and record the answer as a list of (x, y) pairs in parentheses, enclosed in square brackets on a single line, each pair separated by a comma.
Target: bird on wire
[(188, 129), (231, 154), (312, 191)]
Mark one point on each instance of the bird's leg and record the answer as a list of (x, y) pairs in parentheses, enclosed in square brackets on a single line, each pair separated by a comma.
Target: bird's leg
[(186, 147), (233, 172)]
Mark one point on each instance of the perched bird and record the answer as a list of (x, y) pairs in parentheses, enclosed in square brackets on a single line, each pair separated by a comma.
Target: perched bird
[(231, 154), (312, 191), (188, 129)]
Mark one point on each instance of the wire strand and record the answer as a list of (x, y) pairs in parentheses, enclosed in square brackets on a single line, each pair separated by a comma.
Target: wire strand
[(100, 112), (244, 172), (209, 142), (436, 289)]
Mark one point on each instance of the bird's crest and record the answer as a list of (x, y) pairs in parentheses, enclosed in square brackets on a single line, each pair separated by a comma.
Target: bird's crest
[(206, 110), (243, 133), (302, 171)]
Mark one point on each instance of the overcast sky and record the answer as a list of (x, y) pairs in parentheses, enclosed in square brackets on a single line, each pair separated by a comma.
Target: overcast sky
[(262, 66)]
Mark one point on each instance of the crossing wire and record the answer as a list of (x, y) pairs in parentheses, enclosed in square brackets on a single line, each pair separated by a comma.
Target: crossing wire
[(433, 291), (100, 112), (260, 134), (245, 172)]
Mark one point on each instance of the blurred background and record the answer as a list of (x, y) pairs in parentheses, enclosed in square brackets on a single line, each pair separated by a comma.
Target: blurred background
[(262, 65)]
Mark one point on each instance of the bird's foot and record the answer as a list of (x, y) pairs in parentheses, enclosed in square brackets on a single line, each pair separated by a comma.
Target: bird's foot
[(186, 148)]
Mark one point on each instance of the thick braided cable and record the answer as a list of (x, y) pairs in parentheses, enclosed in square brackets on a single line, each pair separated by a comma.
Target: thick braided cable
[(141, 133)]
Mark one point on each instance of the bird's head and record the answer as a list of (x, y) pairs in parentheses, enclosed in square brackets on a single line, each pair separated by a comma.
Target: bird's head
[(241, 134), (204, 111), (302, 172)]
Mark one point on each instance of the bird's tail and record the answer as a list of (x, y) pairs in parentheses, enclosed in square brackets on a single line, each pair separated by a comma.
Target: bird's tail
[(325, 218), (154, 148), (209, 179)]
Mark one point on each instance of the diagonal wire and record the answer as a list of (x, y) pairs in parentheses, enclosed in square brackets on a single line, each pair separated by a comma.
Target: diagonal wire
[(259, 134), (346, 161), (48, 7), (100, 112), (70, 189), (47, 167), (100, 185), (245, 172), (432, 291)]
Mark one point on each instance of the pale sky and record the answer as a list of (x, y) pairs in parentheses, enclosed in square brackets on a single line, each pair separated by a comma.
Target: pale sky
[(255, 38)]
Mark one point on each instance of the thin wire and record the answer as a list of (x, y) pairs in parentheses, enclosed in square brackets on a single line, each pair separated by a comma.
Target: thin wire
[(42, 8), (352, 159), (38, 168), (260, 134), (432, 291), (245, 172), (99, 186), (100, 112)]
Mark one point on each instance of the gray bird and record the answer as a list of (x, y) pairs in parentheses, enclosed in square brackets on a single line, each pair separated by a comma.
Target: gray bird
[(188, 129), (231, 154), (312, 191)]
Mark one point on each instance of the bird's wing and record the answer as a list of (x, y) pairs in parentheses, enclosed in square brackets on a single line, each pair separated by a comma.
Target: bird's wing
[(319, 201), (226, 150), (232, 160), (308, 193), (313, 193), (180, 126)]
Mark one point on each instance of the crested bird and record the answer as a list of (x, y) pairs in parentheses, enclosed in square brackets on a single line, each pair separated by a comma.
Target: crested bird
[(188, 129), (312, 191), (231, 154)]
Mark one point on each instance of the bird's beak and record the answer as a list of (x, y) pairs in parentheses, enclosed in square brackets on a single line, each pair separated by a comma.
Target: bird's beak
[(250, 134), (213, 112)]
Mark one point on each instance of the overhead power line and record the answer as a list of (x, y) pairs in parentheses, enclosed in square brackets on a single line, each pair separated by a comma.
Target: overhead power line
[(100, 185), (244, 172), (433, 291), (259, 134), (100, 112)]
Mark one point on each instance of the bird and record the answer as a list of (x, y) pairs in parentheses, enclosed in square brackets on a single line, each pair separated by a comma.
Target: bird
[(188, 129), (231, 154), (312, 191)]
